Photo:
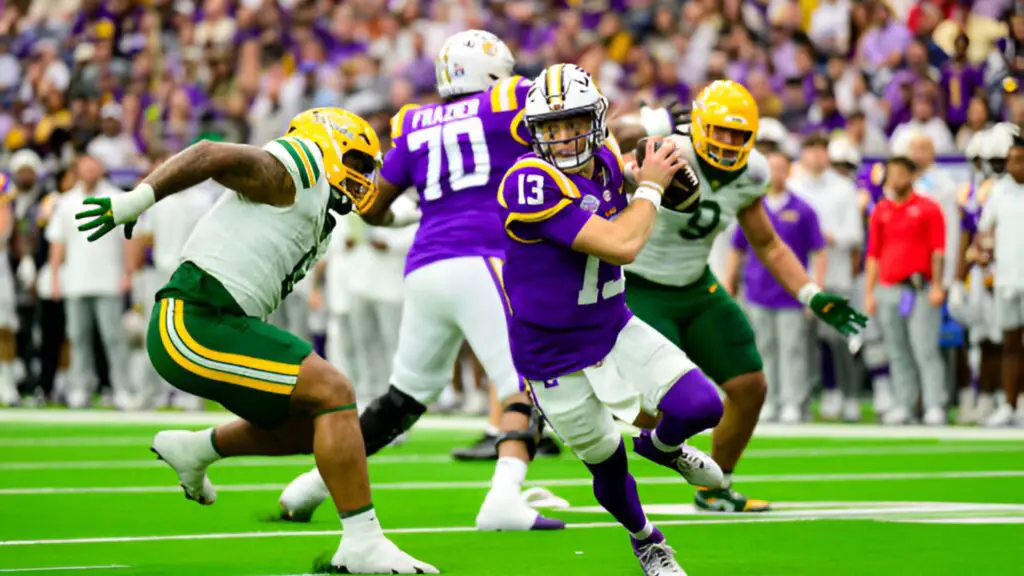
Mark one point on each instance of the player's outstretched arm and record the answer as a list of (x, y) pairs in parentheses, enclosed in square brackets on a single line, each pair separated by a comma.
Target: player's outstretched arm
[(250, 171), (629, 129), (619, 241), (385, 212), (790, 273)]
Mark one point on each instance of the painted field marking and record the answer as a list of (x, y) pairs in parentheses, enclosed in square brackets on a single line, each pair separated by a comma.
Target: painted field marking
[(553, 483), (388, 459), (61, 568)]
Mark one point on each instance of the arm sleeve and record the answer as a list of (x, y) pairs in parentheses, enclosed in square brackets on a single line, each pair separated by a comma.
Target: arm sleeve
[(301, 158), (532, 194), (815, 239), (874, 235)]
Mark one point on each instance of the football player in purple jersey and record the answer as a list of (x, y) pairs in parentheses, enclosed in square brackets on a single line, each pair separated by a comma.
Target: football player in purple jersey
[(569, 227), (454, 154)]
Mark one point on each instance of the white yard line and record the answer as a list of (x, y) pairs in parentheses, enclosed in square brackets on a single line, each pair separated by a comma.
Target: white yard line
[(387, 459), (463, 423), (308, 533), (62, 568), (553, 483)]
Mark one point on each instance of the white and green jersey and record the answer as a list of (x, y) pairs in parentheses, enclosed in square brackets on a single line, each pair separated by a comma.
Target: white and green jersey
[(259, 252), (677, 252)]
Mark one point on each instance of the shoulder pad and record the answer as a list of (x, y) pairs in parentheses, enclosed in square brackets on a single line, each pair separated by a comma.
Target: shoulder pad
[(757, 168), (509, 94), (398, 120)]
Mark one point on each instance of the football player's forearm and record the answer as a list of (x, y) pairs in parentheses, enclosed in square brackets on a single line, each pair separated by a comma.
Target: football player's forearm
[(784, 266), (636, 224), (250, 171)]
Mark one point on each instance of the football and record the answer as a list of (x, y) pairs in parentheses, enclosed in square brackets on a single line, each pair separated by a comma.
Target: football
[(683, 194)]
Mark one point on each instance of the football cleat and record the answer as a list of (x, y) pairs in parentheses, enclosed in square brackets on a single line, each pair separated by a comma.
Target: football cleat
[(727, 500), (509, 512), (486, 449), (302, 497), (694, 465), (376, 555), (656, 557), (178, 449)]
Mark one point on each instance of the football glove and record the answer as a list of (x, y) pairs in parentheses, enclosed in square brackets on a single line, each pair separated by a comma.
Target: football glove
[(101, 218), (836, 311)]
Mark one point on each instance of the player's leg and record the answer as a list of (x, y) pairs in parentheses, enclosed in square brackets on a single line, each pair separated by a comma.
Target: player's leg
[(481, 314), (588, 429), (292, 400), (428, 343), (989, 379)]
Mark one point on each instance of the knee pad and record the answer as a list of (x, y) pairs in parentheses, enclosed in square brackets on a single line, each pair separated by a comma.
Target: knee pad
[(387, 417), (534, 429)]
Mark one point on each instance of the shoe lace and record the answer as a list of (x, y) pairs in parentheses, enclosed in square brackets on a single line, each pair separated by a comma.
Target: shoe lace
[(658, 555)]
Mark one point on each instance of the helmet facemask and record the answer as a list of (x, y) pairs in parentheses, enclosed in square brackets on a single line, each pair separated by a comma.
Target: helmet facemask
[(728, 147), (569, 138), (358, 183)]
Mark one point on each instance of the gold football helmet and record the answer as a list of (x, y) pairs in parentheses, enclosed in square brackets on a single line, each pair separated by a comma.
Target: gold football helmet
[(724, 123), (350, 149)]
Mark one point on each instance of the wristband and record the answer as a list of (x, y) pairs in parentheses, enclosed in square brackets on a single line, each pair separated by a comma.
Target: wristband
[(649, 194), (809, 291), (127, 207), (652, 185)]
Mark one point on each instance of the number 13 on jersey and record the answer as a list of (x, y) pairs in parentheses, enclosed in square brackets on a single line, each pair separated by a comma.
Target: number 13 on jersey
[(610, 288)]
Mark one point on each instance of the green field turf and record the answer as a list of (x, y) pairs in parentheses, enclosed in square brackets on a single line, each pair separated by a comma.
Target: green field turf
[(91, 497)]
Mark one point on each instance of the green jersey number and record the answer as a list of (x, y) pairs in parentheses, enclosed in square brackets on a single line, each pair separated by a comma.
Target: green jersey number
[(704, 221)]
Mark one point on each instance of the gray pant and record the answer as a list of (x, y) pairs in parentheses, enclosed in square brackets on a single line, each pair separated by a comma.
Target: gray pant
[(374, 335), (104, 312), (912, 344), (782, 337), (847, 372)]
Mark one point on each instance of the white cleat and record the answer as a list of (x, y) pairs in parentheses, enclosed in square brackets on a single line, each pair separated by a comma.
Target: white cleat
[(509, 512), (1003, 416), (851, 410), (831, 404), (985, 407), (935, 416), (659, 560), (302, 496), (769, 413), (790, 415), (178, 448), (896, 416), (699, 468), (376, 555)]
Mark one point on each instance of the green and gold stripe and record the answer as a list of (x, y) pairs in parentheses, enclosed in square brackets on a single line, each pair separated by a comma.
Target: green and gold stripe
[(304, 160)]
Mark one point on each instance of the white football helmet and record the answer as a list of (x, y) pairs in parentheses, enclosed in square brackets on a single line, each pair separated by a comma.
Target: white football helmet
[(471, 61), (995, 147), (842, 151), (564, 91)]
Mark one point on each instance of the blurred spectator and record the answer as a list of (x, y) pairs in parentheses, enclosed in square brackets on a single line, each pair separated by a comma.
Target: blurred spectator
[(977, 121), (868, 139), (924, 119), (935, 184), (781, 326), (93, 278), (834, 200), (1001, 218), (113, 147), (906, 242), (960, 82)]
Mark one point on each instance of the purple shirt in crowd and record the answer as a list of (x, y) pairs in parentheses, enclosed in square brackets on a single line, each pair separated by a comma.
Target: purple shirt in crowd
[(567, 307), (959, 83), (456, 154), (797, 226)]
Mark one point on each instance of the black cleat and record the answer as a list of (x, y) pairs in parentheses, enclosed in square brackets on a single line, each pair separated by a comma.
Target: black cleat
[(485, 448)]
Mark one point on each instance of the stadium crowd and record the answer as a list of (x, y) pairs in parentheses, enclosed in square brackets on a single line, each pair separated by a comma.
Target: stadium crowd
[(95, 93)]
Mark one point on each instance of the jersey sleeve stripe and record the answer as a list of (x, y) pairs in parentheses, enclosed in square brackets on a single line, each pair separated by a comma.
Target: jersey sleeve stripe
[(312, 159), (301, 168), (503, 95), (612, 144), (569, 190), (514, 127), (398, 120), (186, 364)]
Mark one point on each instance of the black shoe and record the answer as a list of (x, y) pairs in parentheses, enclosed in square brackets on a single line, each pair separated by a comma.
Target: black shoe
[(485, 448), (548, 447)]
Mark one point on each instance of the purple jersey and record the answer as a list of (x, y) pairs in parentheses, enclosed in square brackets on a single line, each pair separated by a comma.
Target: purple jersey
[(455, 154), (971, 199), (960, 81), (797, 226), (567, 307)]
